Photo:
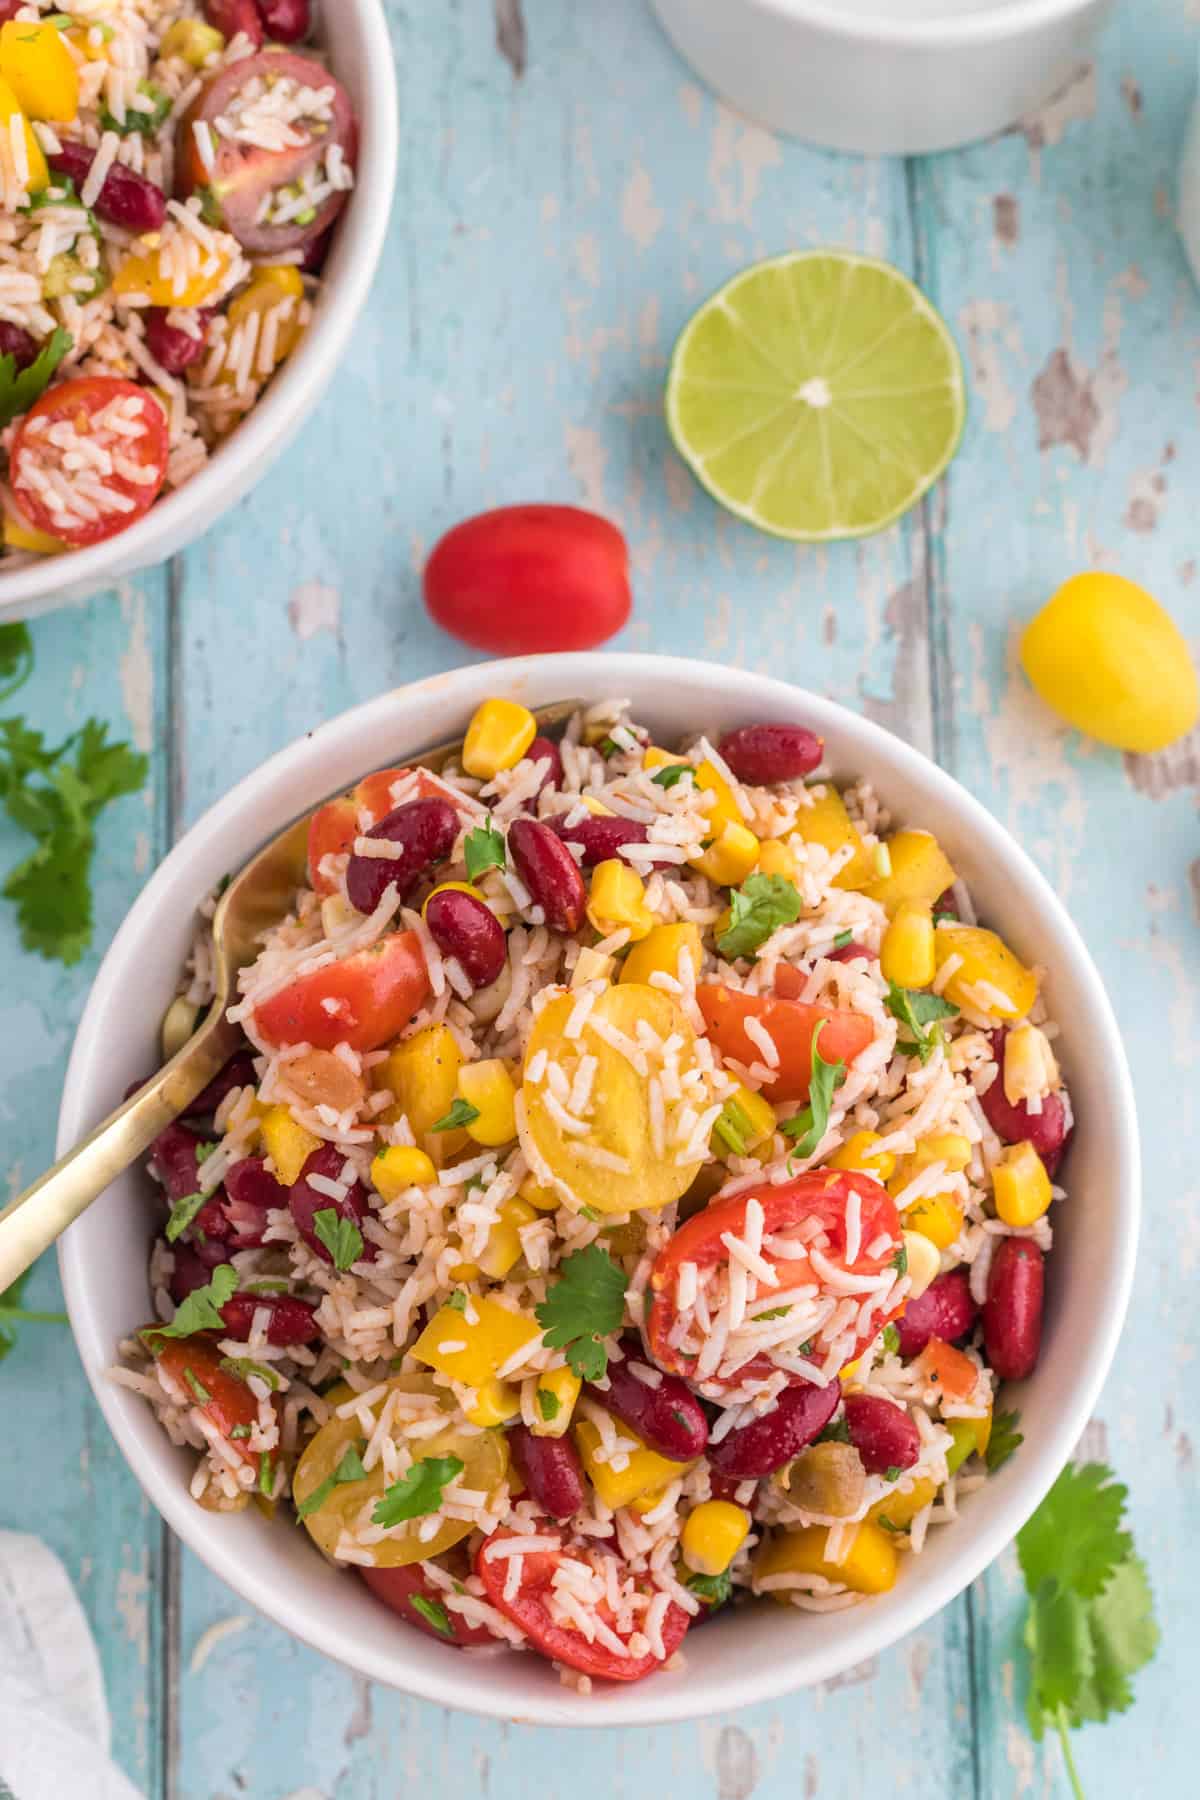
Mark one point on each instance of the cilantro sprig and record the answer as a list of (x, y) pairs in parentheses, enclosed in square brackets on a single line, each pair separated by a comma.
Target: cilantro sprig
[(483, 849), (461, 1113), (19, 388), (1003, 1439), (418, 1493), (182, 1214), (433, 1613), (916, 1011), (349, 1469), (583, 1307), (715, 1589), (810, 1124), (201, 1310), (756, 911), (16, 658), (340, 1236), (671, 774), (14, 1314)]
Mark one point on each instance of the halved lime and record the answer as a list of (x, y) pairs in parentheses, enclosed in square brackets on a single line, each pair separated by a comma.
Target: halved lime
[(817, 395)]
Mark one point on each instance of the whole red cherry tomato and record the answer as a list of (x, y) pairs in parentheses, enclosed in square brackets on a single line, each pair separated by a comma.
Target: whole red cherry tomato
[(527, 578)]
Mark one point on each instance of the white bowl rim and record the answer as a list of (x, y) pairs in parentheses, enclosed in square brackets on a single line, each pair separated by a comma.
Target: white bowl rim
[(868, 1629), (364, 229), (1003, 19)]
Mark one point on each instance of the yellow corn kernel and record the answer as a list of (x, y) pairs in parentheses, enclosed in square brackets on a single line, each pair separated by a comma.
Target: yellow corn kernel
[(1030, 1070), (39, 69), (422, 1074), (452, 887), (774, 858), (646, 1471), (713, 1533), (949, 1147), (857, 1153), (464, 1271), (287, 1144), (37, 175), (659, 951), (826, 822), (400, 1167), (730, 858), (938, 1217), (272, 285), (868, 1567), (596, 807), (554, 1401), (503, 1249), (919, 871), (193, 40), (987, 978), (486, 1345), (488, 1087), (20, 536), (906, 955), (924, 1262), (724, 809), (848, 1373), (497, 738), (900, 1509), (591, 966), (617, 901), (971, 1438), (542, 1199), (495, 1403), (747, 1120), (1021, 1186)]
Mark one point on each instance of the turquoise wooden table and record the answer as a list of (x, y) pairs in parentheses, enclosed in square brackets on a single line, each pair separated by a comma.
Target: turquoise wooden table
[(566, 195)]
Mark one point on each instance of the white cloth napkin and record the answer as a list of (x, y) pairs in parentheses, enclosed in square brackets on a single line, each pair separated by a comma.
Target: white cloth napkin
[(54, 1724)]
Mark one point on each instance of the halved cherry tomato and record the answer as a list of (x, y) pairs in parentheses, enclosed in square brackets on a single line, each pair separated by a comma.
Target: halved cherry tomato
[(526, 578), (334, 826), (371, 997), (791, 1024), (401, 1586), (529, 1610), (81, 404), (243, 175), (819, 1194), (229, 1404)]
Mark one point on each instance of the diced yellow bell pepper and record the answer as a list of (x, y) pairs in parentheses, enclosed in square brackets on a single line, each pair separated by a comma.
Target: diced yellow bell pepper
[(40, 70), (496, 1402), (920, 872), (20, 536), (193, 40), (869, 1566), (659, 951), (654, 758), (971, 1438), (900, 1509), (857, 1153), (713, 1533), (498, 736), (503, 1250), (708, 779), (422, 1075), (847, 1373), (452, 887), (937, 1217), (486, 1345), (140, 273), (949, 1147), (596, 807), (617, 901), (924, 1262), (774, 858), (38, 175), (1030, 1069), (270, 286), (464, 1271), (646, 1472), (288, 1145), (989, 979), (400, 1167), (488, 1087), (826, 822), (1021, 1186), (906, 955), (554, 1402), (542, 1199), (747, 1120), (590, 965), (730, 857)]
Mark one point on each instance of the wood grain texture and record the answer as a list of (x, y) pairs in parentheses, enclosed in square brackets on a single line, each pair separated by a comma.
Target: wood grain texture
[(566, 196)]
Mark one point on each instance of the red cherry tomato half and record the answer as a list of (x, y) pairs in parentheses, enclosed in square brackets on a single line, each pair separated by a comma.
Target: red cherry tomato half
[(530, 1610), (243, 175), (819, 1195), (334, 826), (405, 1588), (372, 995), (791, 1024), (527, 578), (134, 434), (194, 1364)]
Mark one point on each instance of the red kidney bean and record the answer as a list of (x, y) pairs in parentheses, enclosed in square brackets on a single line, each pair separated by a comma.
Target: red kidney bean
[(291, 1321), (944, 904), (209, 1245), (763, 753), (848, 952), (463, 927), (549, 871), (175, 1157), (1012, 1311), (316, 252), (250, 1193), (286, 21), (545, 750), (945, 1310), (126, 199), (190, 1272), (725, 1487), (306, 1201), (801, 1413), (884, 1436), (1047, 1131), (668, 1417), (171, 347), (17, 343), (9, 9), (601, 839), (237, 1073), (424, 831), (550, 1469), (232, 16)]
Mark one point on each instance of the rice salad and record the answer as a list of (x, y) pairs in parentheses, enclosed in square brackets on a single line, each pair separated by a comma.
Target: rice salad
[(633, 1190), (170, 174)]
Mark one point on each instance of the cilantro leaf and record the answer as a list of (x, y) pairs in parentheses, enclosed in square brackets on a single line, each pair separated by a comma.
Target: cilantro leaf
[(145, 124), (197, 1386), (716, 1589), (201, 1311), (585, 1305), (1060, 1647), (20, 388), (245, 1366), (915, 1010), (349, 1469), (1075, 1536), (900, 1261), (16, 658), (182, 1214), (776, 1312), (12, 1314), (810, 1124), (1004, 1438), (757, 910), (549, 1404), (460, 1114), (419, 1492), (340, 1236), (671, 774), (267, 1471), (836, 1432), (1124, 1638), (457, 1301), (842, 939), (483, 849), (433, 1613), (890, 1343)]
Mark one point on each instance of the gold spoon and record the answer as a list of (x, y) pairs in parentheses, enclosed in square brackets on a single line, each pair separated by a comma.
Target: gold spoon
[(254, 901)]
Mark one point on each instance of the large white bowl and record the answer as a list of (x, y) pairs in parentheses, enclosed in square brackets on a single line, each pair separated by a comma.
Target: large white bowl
[(356, 35), (890, 77), (764, 1650)]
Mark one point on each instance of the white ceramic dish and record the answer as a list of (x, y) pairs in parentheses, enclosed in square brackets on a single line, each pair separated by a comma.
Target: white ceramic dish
[(890, 77), (764, 1650), (356, 35)]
